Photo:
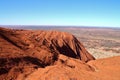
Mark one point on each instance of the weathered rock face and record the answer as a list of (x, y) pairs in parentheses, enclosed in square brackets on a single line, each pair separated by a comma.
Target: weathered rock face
[(26, 50), (50, 55), (52, 41)]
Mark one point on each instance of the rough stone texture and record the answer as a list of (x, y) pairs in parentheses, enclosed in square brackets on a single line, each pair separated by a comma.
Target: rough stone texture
[(50, 55)]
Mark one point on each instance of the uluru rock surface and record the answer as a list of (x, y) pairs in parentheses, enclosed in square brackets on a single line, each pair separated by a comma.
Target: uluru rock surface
[(54, 42), (49, 55)]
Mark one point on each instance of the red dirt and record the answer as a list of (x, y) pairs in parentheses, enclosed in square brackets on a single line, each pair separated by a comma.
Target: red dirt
[(50, 55)]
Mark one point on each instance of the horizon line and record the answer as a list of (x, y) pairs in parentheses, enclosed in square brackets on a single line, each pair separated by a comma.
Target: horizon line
[(61, 26)]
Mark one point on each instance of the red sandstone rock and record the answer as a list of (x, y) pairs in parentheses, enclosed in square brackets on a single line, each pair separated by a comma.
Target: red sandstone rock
[(49, 55)]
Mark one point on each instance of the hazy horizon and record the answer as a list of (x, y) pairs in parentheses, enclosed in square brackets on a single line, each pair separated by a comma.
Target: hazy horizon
[(54, 26)]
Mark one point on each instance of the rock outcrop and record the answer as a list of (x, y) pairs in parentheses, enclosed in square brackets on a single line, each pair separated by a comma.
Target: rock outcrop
[(36, 48), (44, 55)]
